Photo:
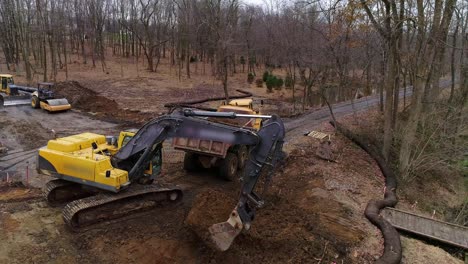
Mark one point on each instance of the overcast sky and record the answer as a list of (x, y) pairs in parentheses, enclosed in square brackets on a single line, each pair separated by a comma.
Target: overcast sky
[(255, 2)]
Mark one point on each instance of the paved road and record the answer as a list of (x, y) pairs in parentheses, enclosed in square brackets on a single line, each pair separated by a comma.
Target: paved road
[(310, 120)]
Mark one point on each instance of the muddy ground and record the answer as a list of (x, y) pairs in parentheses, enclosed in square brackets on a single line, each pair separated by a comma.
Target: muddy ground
[(313, 212), (303, 220)]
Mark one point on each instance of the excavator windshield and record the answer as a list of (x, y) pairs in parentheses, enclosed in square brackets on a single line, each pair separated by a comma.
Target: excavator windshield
[(126, 139)]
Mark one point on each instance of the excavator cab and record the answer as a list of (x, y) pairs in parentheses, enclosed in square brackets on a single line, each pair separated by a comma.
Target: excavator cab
[(154, 168)]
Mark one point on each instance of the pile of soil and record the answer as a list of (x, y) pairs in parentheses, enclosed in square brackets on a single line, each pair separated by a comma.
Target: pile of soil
[(218, 204), (83, 98), (87, 100), (301, 222)]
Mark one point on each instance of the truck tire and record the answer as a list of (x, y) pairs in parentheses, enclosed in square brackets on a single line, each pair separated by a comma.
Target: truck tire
[(228, 167), (35, 103), (242, 156), (191, 163)]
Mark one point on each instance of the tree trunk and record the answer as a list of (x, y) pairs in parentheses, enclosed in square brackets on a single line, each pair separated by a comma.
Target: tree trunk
[(187, 60), (65, 57), (452, 60), (423, 76), (225, 78), (390, 80), (381, 89)]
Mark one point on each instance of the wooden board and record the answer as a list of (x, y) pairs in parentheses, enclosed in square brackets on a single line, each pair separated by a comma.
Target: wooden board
[(452, 234)]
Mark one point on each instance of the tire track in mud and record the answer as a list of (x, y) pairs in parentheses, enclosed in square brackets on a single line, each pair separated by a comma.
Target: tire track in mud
[(14, 155), (19, 160)]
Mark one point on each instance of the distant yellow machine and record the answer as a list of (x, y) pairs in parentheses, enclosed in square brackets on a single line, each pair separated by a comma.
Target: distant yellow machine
[(40, 97), (242, 106), (44, 98), (6, 81)]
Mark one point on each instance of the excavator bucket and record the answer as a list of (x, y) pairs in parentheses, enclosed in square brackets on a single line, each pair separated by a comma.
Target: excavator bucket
[(212, 206), (223, 234), (55, 105)]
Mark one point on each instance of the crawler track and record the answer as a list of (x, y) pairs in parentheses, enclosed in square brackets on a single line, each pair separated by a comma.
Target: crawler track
[(108, 206), (58, 192)]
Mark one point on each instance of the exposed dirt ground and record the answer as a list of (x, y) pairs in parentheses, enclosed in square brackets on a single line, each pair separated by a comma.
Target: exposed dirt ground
[(313, 212), (134, 88)]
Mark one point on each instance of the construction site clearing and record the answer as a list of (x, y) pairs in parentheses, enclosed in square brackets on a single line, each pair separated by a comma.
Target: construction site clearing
[(313, 211)]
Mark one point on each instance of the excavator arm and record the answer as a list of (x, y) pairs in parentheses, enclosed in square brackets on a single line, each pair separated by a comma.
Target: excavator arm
[(266, 148)]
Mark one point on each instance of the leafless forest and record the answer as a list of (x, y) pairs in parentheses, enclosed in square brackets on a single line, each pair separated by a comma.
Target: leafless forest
[(411, 54), (357, 46)]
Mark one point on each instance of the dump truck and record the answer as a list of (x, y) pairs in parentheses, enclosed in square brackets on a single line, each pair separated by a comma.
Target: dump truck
[(40, 97), (100, 178), (226, 158)]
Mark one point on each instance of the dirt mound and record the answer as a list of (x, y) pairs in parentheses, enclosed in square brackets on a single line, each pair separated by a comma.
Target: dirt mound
[(83, 98), (217, 203), (300, 223), (88, 100)]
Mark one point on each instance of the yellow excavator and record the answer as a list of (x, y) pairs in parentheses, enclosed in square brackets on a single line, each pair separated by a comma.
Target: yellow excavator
[(101, 178), (40, 97)]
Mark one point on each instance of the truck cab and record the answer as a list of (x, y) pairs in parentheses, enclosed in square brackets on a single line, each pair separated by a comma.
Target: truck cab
[(241, 106), (246, 103)]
